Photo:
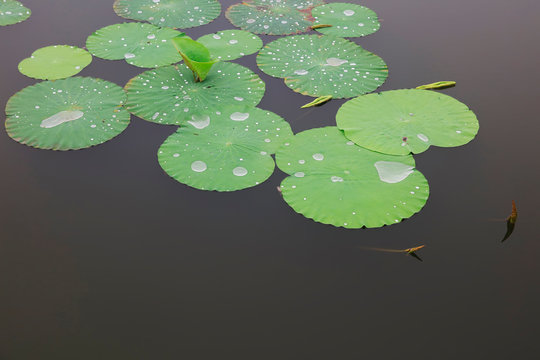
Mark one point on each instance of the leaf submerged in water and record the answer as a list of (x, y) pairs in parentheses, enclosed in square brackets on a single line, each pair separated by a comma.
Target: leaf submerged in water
[(510, 222)]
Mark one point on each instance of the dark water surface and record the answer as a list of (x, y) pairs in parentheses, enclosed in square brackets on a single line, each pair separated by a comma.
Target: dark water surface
[(103, 256)]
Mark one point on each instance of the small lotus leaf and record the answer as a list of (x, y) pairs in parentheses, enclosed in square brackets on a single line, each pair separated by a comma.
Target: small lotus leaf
[(12, 12), (178, 14), (68, 114), (273, 17), (225, 150), (407, 121), (231, 44), (317, 65), (55, 62), (142, 45), (170, 95), (334, 181), (196, 56), (347, 20)]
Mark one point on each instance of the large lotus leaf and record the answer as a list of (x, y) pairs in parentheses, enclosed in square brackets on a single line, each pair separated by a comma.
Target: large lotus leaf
[(171, 13), (142, 45), (225, 150), (403, 121), (347, 20), (69, 114), (196, 56), (170, 95), (55, 62), (231, 44), (334, 181), (319, 65), (12, 12), (273, 17)]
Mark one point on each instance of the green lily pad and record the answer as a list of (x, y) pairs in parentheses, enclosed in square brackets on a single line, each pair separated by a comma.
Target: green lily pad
[(347, 20), (317, 65), (68, 114), (225, 150), (170, 95), (171, 13), (407, 121), (142, 45), (231, 44), (334, 181), (273, 17), (196, 56), (12, 12), (55, 62)]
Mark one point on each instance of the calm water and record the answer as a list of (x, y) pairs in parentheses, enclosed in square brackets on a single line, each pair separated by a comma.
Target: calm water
[(103, 256)]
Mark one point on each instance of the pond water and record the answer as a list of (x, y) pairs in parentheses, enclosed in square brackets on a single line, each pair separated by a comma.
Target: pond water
[(103, 256)]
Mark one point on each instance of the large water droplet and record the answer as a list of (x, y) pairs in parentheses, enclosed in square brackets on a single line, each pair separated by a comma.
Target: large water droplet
[(318, 157), (200, 121), (129, 56), (423, 137), (299, 174), (240, 171), (336, 179), (198, 166), (335, 61), (60, 118), (348, 12), (238, 116), (301, 72), (393, 172)]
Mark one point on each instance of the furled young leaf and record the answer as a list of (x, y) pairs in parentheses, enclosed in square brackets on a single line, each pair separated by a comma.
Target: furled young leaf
[(273, 17), (12, 12), (406, 121), (69, 114), (170, 95), (140, 44), (178, 14), (55, 62), (317, 65), (231, 44), (334, 181), (196, 56), (347, 20), (225, 150)]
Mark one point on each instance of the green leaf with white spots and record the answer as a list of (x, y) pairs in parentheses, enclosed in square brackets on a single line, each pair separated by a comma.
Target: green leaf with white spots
[(231, 44), (273, 17), (170, 95), (317, 65), (68, 114), (12, 12), (196, 56), (407, 121), (225, 150), (334, 181), (178, 14), (142, 45), (347, 20), (55, 62)]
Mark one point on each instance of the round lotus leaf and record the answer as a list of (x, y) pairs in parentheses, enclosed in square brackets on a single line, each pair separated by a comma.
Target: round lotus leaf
[(55, 62), (225, 150), (171, 13), (231, 44), (69, 114), (142, 45), (334, 181), (347, 20), (406, 121), (317, 65), (12, 12), (273, 17), (170, 95)]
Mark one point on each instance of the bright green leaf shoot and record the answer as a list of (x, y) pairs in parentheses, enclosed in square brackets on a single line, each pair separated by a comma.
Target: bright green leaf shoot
[(196, 56)]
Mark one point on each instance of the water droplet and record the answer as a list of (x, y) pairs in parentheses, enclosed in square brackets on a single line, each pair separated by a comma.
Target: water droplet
[(216, 36), (348, 12), (129, 56), (302, 162), (233, 41), (423, 137), (336, 179), (198, 166), (238, 98), (301, 72), (299, 174), (60, 118), (250, 21), (335, 61), (151, 37), (318, 157), (200, 121), (240, 171), (393, 172), (238, 116)]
